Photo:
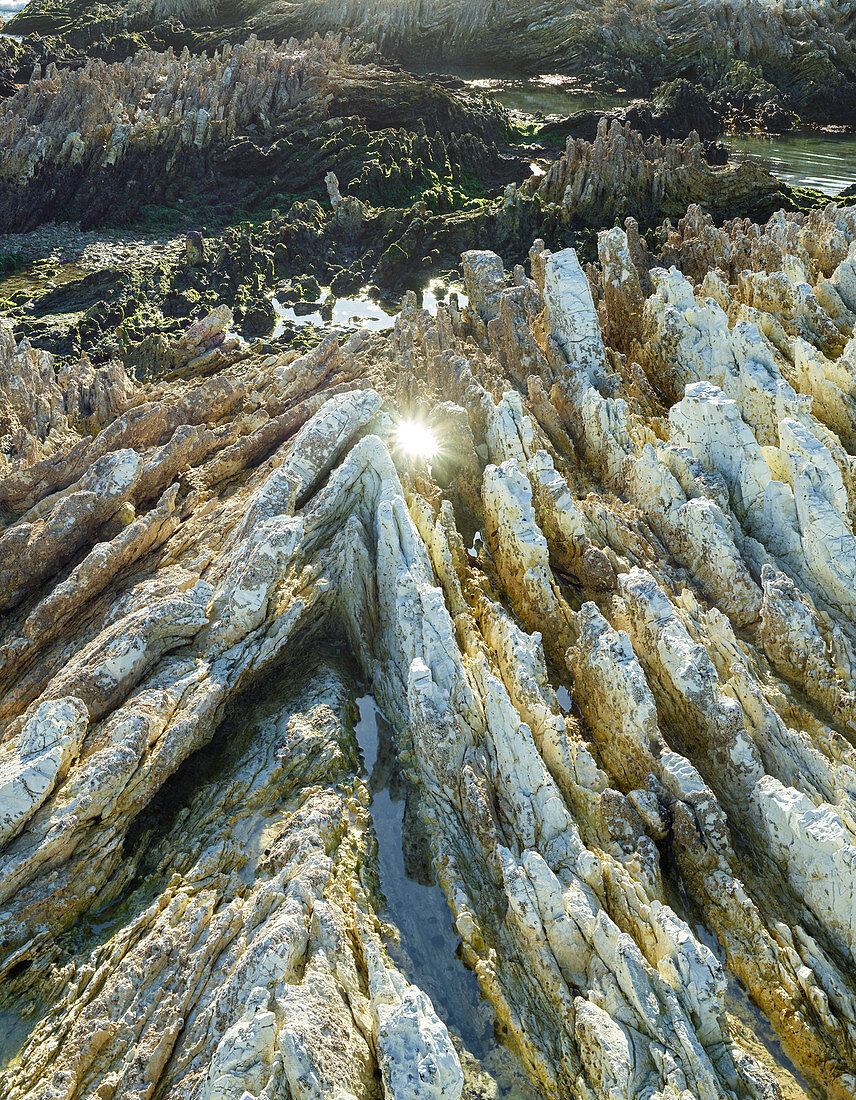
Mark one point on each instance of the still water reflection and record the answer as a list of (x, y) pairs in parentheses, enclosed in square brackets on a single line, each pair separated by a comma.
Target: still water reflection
[(807, 159), (810, 158), (430, 946), (359, 311)]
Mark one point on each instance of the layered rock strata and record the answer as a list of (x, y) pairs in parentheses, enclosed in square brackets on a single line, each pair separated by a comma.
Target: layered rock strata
[(802, 59), (626, 710), (247, 122)]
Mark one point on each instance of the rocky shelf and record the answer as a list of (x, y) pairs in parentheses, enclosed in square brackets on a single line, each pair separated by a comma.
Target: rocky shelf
[(657, 457)]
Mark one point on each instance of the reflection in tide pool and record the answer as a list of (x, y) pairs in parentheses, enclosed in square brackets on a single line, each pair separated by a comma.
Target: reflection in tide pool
[(438, 291), (549, 94), (429, 954), (821, 160), (359, 311)]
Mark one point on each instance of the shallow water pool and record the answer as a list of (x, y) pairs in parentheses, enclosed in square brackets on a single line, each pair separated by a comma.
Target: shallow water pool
[(360, 310), (418, 907), (810, 158), (549, 94)]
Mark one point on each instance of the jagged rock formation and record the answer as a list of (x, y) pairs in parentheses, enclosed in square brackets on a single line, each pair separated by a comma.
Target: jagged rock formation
[(800, 60), (183, 102), (620, 174), (251, 120), (626, 710), (398, 208)]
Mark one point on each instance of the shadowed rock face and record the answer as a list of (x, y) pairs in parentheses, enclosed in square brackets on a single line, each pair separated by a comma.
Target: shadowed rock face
[(196, 570), (803, 54)]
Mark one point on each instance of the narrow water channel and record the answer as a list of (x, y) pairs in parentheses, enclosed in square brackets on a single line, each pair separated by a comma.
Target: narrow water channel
[(430, 948), (14, 1029)]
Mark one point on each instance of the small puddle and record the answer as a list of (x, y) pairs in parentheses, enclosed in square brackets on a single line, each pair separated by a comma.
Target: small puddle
[(437, 291), (540, 96), (545, 93), (358, 311), (418, 907)]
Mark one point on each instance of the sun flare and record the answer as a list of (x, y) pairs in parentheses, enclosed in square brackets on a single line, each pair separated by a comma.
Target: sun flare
[(416, 439)]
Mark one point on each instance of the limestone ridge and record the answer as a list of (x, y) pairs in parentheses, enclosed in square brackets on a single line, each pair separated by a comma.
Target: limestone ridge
[(657, 460)]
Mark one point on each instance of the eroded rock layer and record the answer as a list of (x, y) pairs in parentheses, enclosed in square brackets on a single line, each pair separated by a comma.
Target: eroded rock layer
[(101, 139), (589, 544), (620, 174)]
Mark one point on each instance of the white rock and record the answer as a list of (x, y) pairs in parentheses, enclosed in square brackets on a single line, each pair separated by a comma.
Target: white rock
[(817, 849), (241, 1062), (571, 314), (484, 281), (32, 764), (416, 1056)]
